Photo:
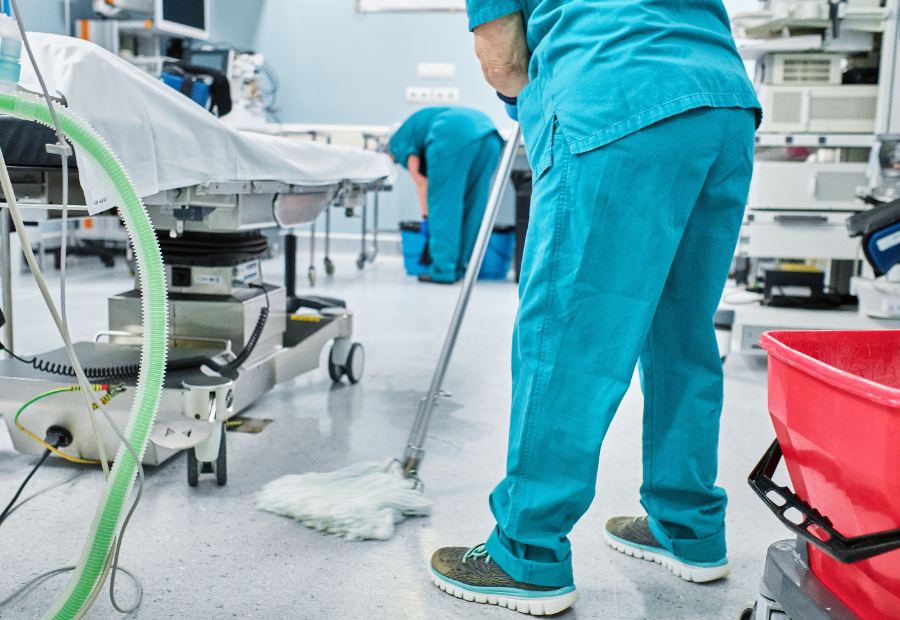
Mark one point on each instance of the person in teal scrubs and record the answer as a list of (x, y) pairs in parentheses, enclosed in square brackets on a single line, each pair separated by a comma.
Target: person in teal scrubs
[(452, 155), (639, 121)]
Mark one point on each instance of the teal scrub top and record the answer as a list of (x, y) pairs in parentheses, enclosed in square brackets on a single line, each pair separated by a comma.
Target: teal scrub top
[(436, 128), (607, 68)]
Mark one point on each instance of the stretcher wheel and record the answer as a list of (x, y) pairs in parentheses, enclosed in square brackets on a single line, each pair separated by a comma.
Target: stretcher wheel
[(311, 274), (329, 266), (193, 468), (353, 367), (356, 363), (222, 462), (219, 467), (335, 370), (361, 261)]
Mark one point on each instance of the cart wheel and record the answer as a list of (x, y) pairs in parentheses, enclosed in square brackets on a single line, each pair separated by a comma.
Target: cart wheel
[(222, 462), (361, 261), (193, 468), (311, 274), (329, 266), (356, 363), (335, 370), (748, 612)]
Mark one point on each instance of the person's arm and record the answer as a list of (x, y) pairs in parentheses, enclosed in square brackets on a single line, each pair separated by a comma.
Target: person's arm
[(502, 49), (413, 164)]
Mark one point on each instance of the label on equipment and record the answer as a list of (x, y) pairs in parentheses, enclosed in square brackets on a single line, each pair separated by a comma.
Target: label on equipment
[(203, 278), (248, 272), (886, 243)]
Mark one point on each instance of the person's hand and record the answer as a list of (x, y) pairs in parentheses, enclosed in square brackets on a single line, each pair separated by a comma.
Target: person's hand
[(502, 49)]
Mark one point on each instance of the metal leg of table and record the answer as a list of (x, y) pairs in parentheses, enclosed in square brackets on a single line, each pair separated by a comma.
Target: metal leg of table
[(290, 265), (375, 228), (6, 277), (364, 233), (311, 272)]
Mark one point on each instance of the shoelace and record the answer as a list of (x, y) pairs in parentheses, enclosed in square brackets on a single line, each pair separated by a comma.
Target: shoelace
[(477, 553)]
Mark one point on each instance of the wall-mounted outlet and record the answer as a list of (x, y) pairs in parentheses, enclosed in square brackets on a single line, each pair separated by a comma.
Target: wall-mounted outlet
[(419, 94), (446, 95), (436, 70)]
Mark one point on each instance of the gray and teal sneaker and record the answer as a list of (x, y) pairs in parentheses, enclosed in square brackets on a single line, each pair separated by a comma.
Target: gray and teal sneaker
[(471, 574), (632, 536)]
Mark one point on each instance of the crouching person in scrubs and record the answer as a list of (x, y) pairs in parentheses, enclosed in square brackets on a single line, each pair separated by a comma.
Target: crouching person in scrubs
[(639, 120), (452, 155)]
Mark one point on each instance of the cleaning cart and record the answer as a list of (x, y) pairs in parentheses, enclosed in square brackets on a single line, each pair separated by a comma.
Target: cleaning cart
[(834, 398)]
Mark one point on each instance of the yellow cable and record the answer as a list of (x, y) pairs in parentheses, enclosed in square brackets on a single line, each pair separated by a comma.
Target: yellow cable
[(54, 450), (104, 400)]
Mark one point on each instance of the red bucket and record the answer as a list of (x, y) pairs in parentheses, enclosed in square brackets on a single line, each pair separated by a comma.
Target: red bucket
[(834, 398)]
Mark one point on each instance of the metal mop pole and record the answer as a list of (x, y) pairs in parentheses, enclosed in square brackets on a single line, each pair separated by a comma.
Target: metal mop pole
[(415, 451)]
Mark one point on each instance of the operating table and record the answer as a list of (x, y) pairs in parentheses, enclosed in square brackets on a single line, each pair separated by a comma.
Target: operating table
[(211, 237)]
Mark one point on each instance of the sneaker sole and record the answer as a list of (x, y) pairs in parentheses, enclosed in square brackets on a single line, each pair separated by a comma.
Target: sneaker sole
[(688, 572), (541, 606)]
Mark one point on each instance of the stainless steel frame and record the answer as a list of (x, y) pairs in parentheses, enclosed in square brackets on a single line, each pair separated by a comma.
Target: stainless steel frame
[(194, 405)]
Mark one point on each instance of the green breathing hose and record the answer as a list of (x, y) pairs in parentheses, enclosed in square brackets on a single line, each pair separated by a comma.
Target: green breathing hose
[(91, 568)]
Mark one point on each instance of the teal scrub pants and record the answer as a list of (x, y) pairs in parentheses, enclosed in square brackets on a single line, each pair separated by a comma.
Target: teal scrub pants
[(459, 184), (627, 253)]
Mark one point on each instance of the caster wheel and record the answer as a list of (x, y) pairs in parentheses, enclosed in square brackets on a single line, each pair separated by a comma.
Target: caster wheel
[(222, 462), (356, 363), (329, 267), (360, 262), (353, 368), (193, 468), (748, 612), (311, 274), (335, 370)]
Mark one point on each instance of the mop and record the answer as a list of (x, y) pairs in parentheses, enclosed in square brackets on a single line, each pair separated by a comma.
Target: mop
[(366, 500)]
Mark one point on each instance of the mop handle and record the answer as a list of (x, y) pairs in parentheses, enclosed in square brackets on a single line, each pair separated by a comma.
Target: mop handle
[(414, 448)]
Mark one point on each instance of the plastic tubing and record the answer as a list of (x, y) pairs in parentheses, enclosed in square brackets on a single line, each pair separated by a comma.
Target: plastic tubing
[(89, 574)]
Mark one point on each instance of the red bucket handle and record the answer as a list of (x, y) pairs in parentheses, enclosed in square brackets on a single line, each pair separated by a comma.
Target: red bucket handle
[(842, 548)]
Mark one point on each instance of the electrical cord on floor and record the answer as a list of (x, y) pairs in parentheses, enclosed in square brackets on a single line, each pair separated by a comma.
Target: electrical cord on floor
[(47, 489), (56, 439), (40, 579)]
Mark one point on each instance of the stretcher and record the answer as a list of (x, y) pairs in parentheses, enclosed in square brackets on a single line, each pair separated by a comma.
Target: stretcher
[(211, 192)]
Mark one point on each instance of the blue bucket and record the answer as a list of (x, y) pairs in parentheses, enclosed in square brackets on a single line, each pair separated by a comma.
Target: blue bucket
[(413, 242), (499, 255), (497, 259)]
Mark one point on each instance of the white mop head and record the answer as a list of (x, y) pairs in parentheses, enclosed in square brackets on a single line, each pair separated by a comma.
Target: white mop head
[(360, 502)]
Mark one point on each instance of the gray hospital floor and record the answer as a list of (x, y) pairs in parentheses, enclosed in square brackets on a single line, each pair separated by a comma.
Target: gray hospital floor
[(208, 553)]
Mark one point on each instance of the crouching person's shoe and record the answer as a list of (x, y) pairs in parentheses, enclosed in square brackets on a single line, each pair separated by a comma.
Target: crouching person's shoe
[(632, 536), (472, 575)]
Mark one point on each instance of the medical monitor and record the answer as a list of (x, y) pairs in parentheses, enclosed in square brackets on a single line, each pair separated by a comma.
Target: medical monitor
[(183, 18), (219, 59)]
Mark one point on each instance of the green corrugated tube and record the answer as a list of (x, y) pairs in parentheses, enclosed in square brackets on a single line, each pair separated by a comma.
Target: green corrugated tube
[(90, 570)]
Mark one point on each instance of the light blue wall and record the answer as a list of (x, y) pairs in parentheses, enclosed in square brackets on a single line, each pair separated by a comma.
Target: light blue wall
[(337, 66), (235, 22)]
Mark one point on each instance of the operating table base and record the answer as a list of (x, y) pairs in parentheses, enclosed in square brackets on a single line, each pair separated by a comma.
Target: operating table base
[(195, 403)]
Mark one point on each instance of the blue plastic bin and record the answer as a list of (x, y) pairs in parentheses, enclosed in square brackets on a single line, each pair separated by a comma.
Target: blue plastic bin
[(497, 259)]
